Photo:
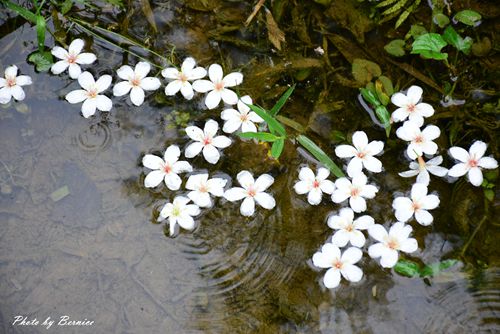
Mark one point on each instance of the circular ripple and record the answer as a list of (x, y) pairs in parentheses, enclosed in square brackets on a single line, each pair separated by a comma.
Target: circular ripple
[(97, 138)]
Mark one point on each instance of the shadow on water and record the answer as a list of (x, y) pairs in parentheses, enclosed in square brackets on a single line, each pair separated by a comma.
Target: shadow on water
[(95, 253)]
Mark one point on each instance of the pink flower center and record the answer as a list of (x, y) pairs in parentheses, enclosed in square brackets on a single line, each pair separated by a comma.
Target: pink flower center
[(416, 206), (316, 184), (10, 81), (219, 86), (361, 155), (251, 192), (393, 244), (71, 58), (203, 189), (92, 93), (354, 192), (419, 139), (167, 168), (337, 264), (349, 228), (473, 163), (135, 82), (244, 117), (411, 108), (182, 77), (207, 141)]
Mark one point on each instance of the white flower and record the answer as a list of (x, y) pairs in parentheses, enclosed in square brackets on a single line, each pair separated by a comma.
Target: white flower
[(420, 141), (136, 82), (361, 153), (471, 162), (409, 107), (10, 86), (165, 169), (205, 140), (90, 94), (417, 204), (349, 230), (390, 244), (180, 79), (202, 187), (242, 117), (216, 86), (179, 212), (252, 191), (71, 59), (422, 169), (331, 257), (314, 185), (356, 191)]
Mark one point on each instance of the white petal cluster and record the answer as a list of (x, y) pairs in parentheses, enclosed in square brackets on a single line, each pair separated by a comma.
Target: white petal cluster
[(180, 80), (217, 86), (90, 94), (251, 191), (201, 188), (390, 244), (71, 59), (356, 191), (242, 118), (349, 229), (136, 82), (11, 85), (166, 169), (314, 185), (410, 107), (422, 169), (361, 153), (420, 141), (205, 141), (417, 204), (471, 162), (179, 212)]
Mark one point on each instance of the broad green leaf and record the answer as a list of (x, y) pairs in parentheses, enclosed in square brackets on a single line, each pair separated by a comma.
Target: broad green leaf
[(274, 125), (441, 20), (43, 60), (370, 97), (40, 31), (429, 46), (364, 70), (21, 11), (384, 117), (277, 148), (395, 48), (468, 17), (436, 268), (277, 107), (291, 123), (453, 38), (319, 154), (382, 96), (262, 136), (416, 30), (407, 268), (387, 84)]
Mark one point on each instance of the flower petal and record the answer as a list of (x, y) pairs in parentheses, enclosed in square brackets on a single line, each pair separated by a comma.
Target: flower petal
[(76, 46), (173, 87), (248, 127), (152, 161), (59, 67), (340, 238), (247, 207), (377, 232), (201, 199), (195, 133), (431, 132), (173, 181), (74, 71), (359, 140), (354, 167), (409, 245), (187, 91), (357, 238), (301, 187), (231, 125), (459, 154), (86, 58), (121, 88), (403, 207), (399, 99), (245, 179), (372, 164), (103, 103), (488, 163), (216, 186), (339, 195), (235, 194), (478, 149), (142, 69), (400, 114), (363, 222), (137, 95), (314, 196), (170, 73), (437, 170), (327, 186), (211, 154), (203, 86), (376, 250), (414, 94), (233, 79), (215, 73), (188, 64), (351, 255), (193, 149), (265, 200), (89, 107), (103, 83), (475, 176), (211, 128), (196, 73), (186, 222), (59, 52), (424, 109), (172, 154), (228, 96), (150, 83), (76, 96), (212, 99), (358, 204), (221, 141), (352, 273), (423, 217), (332, 278), (306, 174), (153, 179), (458, 170), (389, 258), (430, 202), (125, 72), (423, 177), (263, 182), (409, 173)]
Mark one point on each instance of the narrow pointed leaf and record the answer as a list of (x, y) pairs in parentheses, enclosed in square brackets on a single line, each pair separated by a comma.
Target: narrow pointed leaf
[(274, 125), (277, 148), (319, 154), (262, 136), (281, 102)]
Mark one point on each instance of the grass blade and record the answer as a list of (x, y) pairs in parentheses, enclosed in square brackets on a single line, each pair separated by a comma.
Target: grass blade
[(274, 125), (21, 11), (277, 148), (41, 26), (319, 154), (262, 136), (281, 102)]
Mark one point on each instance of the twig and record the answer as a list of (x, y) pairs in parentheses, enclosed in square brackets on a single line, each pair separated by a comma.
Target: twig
[(255, 11)]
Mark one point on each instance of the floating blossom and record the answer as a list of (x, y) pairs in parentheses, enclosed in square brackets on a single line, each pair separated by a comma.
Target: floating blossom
[(362, 154), (10, 86), (251, 192), (314, 185), (389, 245), (242, 117), (165, 169), (71, 59), (422, 169), (201, 188), (181, 79), (418, 204), (421, 141), (179, 212), (349, 230), (356, 191), (136, 82), (471, 162), (339, 264), (409, 107), (205, 140), (216, 86), (90, 96)]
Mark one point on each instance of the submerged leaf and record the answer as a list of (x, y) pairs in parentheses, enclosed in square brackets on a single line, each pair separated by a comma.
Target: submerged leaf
[(429, 46), (453, 38), (468, 17), (274, 33), (395, 48), (407, 268), (364, 70), (43, 60), (60, 193)]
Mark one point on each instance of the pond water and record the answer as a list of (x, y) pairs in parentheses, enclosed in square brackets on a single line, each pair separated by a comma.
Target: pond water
[(98, 253)]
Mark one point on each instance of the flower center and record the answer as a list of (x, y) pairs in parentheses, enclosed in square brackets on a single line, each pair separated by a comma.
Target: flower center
[(392, 244), (244, 117), (411, 108), (419, 139), (92, 93), (361, 155), (473, 163), (416, 206), (176, 211), (316, 184), (337, 264), (10, 81), (354, 192), (135, 81), (182, 77), (207, 141), (349, 228), (71, 58), (219, 86), (251, 192), (167, 168), (203, 188)]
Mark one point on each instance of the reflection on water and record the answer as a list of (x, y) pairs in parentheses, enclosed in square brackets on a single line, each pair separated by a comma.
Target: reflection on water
[(95, 254)]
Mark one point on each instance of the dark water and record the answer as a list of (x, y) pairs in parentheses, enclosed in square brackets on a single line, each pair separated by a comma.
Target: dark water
[(97, 255)]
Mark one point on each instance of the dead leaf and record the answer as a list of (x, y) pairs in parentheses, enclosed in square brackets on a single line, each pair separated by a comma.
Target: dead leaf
[(274, 33)]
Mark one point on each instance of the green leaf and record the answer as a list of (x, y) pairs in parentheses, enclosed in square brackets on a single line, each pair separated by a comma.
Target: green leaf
[(319, 154), (364, 70), (416, 30), (370, 97), (453, 38), (395, 48), (385, 118), (436, 268), (441, 20), (41, 26), (387, 84), (29, 16), (66, 6), (262, 136), (429, 46), (277, 107), (277, 148), (274, 125), (407, 268), (43, 60), (291, 123), (468, 17), (489, 194)]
